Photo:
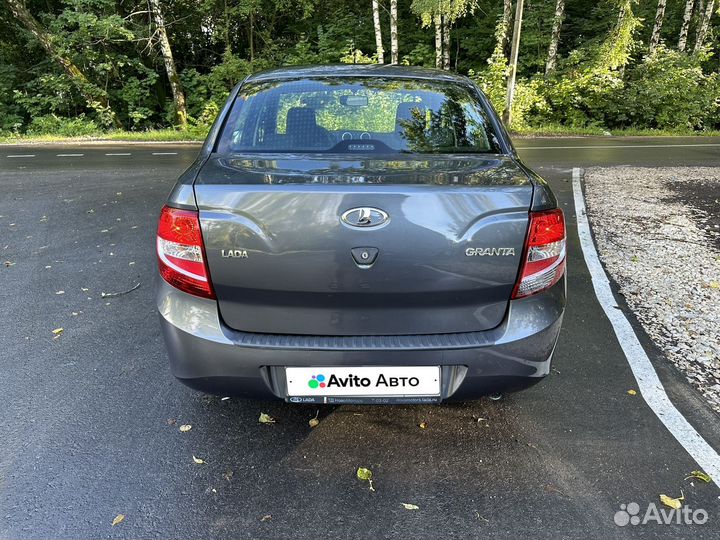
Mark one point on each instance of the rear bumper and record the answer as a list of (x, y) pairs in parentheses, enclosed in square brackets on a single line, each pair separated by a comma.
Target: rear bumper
[(207, 355)]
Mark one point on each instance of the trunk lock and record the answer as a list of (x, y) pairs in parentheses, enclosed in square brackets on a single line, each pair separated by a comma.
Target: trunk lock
[(364, 256)]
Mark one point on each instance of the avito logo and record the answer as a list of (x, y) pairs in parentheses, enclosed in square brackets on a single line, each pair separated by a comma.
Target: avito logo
[(317, 380), (353, 381)]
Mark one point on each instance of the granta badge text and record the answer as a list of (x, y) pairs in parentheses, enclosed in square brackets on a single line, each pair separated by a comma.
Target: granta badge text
[(490, 252)]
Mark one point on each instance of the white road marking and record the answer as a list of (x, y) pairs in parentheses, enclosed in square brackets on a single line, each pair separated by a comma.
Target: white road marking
[(70, 155), (119, 154), (21, 155), (595, 146), (648, 381), (164, 153)]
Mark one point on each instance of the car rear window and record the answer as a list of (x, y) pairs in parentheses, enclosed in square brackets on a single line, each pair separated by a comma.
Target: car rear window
[(358, 115)]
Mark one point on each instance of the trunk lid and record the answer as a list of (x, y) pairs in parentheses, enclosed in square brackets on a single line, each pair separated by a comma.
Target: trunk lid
[(283, 261)]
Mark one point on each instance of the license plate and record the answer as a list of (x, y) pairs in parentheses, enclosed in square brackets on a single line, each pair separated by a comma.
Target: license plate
[(366, 381)]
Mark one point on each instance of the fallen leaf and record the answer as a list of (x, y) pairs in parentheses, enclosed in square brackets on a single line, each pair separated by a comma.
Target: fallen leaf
[(700, 476), (198, 460), (313, 422), (58, 331), (266, 419), (715, 284), (672, 503), (266, 517), (185, 427), (364, 474), (408, 506), (423, 425), (60, 292), (632, 392), (118, 519)]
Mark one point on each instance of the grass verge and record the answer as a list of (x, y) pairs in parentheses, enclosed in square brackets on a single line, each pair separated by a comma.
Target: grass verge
[(195, 135)]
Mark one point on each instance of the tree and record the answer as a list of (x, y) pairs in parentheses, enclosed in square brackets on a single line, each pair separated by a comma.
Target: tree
[(703, 25), (514, 51), (393, 32), (437, 22), (170, 68), (682, 39), (503, 32), (378, 32), (446, 42), (555, 36), (659, 16), (93, 96)]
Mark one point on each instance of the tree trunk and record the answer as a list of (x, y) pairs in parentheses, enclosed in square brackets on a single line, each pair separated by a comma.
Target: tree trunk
[(170, 68), (446, 43), (514, 51), (682, 40), (506, 22), (659, 16), (252, 37), (393, 32), (378, 32), (437, 21), (92, 95), (555, 36), (703, 26)]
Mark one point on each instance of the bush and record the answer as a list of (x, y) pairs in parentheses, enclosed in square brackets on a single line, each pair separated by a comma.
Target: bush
[(63, 127), (668, 89)]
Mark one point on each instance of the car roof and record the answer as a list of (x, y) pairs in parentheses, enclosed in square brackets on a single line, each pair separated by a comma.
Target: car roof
[(356, 70)]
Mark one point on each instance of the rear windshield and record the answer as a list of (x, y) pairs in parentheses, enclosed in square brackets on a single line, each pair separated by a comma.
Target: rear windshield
[(358, 115)]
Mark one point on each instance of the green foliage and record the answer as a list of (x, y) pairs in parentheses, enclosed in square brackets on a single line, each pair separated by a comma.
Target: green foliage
[(669, 89), (604, 79), (65, 127)]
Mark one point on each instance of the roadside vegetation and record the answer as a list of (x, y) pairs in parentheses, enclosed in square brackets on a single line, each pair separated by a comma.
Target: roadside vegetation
[(160, 69)]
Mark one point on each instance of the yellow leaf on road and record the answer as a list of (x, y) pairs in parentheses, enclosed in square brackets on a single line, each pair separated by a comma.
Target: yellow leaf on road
[(313, 422), (408, 506), (672, 503), (700, 476), (118, 519), (364, 474), (423, 425), (58, 331), (198, 460), (632, 392), (185, 427), (266, 419)]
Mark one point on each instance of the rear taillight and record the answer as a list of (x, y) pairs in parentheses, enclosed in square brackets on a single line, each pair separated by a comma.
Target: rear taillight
[(181, 254), (544, 257)]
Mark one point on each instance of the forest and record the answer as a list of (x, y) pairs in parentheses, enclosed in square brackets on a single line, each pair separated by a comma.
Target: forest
[(82, 67)]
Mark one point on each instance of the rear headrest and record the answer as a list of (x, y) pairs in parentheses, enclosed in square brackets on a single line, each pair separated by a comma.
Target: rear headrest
[(300, 119)]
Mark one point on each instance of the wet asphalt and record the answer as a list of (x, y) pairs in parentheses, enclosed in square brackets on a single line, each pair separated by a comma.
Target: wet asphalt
[(89, 420)]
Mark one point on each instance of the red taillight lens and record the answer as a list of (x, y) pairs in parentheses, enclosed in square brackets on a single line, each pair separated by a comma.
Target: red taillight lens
[(544, 261), (181, 254)]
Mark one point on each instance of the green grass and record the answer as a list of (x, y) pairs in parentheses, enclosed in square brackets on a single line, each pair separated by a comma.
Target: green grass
[(565, 131), (156, 135), (195, 135)]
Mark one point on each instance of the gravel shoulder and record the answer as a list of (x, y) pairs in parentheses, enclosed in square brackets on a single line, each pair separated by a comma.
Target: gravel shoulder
[(658, 234)]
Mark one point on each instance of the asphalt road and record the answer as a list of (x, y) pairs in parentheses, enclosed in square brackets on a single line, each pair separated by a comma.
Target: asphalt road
[(89, 420)]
